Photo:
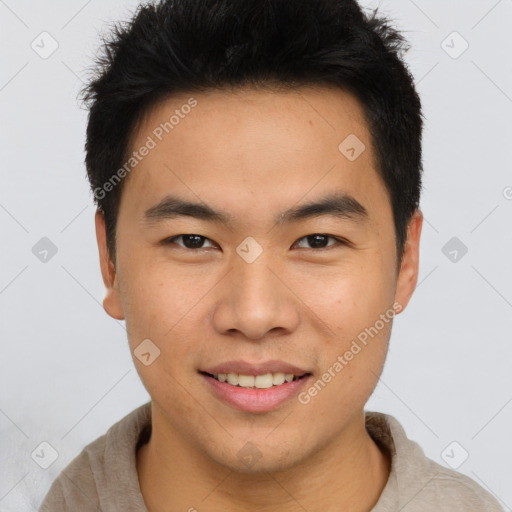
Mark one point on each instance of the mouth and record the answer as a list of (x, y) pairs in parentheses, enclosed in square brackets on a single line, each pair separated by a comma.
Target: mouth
[(255, 388), (262, 381)]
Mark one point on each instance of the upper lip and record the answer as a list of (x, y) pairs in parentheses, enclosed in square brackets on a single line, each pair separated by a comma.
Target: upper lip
[(245, 368)]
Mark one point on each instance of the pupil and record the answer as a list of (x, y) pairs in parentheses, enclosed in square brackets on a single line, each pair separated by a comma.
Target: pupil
[(197, 243), (313, 241)]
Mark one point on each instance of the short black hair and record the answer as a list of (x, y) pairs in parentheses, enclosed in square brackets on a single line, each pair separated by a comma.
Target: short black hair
[(180, 46)]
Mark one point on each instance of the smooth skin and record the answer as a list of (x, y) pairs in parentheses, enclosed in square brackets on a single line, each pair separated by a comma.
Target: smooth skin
[(253, 154)]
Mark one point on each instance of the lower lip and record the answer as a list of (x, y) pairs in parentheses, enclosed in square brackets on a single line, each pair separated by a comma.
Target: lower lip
[(254, 399)]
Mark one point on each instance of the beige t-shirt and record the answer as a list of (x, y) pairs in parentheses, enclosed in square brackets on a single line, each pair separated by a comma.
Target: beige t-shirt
[(103, 477)]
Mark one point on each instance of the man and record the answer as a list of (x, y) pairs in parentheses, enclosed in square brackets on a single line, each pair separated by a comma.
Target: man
[(257, 171)]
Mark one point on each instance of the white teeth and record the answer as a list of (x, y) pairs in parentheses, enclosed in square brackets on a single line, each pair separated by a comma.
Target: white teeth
[(259, 381), (277, 379), (246, 381), (233, 378), (263, 381)]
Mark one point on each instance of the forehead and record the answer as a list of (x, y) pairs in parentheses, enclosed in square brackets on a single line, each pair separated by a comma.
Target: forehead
[(254, 147)]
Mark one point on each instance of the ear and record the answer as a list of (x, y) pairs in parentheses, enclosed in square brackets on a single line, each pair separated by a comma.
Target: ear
[(112, 301), (409, 269)]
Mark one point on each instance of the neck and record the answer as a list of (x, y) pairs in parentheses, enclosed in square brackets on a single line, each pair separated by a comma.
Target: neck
[(348, 475)]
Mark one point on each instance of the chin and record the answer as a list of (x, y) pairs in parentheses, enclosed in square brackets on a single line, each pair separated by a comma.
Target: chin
[(258, 456)]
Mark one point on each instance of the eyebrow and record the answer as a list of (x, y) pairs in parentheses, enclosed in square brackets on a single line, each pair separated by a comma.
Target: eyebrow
[(338, 204)]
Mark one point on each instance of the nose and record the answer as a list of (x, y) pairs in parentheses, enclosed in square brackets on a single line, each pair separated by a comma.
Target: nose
[(256, 300)]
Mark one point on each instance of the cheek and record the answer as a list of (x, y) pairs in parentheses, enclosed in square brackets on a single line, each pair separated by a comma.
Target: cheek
[(348, 375), (352, 353), (154, 298), (160, 309), (168, 307), (348, 298)]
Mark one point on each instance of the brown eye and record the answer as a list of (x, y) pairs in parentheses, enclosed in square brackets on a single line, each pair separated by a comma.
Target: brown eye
[(320, 241), (189, 241)]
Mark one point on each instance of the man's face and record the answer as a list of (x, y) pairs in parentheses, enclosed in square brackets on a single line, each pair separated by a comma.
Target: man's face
[(261, 292)]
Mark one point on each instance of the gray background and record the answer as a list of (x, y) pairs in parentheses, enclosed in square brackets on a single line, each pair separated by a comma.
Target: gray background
[(66, 373)]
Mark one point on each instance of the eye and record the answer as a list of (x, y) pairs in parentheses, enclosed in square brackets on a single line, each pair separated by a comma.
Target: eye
[(318, 241), (190, 241)]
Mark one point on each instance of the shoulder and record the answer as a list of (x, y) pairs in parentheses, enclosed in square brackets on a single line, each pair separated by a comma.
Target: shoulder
[(450, 490), (103, 469), (417, 483), (75, 486)]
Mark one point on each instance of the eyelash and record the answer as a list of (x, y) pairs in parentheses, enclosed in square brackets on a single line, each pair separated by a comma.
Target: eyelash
[(340, 241)]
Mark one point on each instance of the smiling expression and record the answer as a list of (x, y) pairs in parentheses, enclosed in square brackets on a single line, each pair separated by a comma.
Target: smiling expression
[(252, 252)]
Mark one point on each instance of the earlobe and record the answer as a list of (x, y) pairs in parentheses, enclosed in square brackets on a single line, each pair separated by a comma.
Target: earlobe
[(112, 301), (408, 275)]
